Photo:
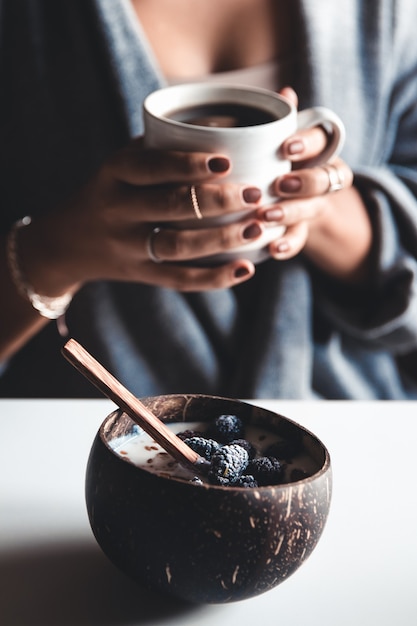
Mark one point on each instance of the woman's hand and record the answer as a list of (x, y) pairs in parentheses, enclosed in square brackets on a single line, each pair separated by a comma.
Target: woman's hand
[(103, 231), (332, 228)]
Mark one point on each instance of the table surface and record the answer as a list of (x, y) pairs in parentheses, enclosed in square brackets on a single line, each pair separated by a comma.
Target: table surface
[(363, 571)]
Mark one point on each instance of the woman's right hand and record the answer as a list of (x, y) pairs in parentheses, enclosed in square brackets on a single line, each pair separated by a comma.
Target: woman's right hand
[(102, 231)]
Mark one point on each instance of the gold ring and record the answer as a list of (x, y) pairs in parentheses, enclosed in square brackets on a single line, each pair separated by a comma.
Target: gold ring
[(194, 201), (336, 177), (150, 242)]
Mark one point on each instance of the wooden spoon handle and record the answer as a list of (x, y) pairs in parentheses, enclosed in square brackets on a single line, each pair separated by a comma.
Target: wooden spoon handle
[(113, 389)]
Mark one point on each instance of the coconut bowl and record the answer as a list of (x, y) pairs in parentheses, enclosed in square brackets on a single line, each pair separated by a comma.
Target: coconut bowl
[(206, 543)]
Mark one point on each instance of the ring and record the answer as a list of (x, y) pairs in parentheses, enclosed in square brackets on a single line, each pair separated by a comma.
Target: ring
[(336, 177), (194, 201), (150, 241)]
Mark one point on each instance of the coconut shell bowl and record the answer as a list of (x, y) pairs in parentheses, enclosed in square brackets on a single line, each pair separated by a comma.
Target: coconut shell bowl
[(204, 542)]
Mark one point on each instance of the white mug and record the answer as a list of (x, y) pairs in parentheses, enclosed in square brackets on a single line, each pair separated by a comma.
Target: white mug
[(173, 120)]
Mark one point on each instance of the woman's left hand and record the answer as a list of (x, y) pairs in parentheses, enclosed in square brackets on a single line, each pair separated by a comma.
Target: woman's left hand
[(305, 198), (331, 227)]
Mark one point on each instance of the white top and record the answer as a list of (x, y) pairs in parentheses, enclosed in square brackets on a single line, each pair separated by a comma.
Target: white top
[(266, 75)]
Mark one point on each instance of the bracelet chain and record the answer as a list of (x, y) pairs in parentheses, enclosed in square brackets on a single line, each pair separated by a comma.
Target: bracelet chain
[(51, 308)]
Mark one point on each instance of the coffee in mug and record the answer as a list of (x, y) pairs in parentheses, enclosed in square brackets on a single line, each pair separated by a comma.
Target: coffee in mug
[(222, 115)]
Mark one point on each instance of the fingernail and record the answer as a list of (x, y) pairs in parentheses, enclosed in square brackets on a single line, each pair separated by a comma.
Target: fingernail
[(242, 271), (252, 231), (274, 215), (290, 184), (218, 164), (251, 194), (282, 246), (295, 147)]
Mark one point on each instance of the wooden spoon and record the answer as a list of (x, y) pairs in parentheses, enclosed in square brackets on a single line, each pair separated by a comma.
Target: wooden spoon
[(125, 400)]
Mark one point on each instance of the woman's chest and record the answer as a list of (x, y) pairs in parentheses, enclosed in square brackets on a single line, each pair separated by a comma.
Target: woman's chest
[(192, 38)]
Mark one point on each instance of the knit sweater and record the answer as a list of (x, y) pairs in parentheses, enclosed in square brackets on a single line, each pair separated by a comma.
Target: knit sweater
[(73, 76)]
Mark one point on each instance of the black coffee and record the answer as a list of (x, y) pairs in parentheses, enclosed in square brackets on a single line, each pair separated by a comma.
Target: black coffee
[(222, 115)]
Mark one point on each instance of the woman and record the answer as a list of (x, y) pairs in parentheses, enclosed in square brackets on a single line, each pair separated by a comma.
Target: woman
[(329, 315)]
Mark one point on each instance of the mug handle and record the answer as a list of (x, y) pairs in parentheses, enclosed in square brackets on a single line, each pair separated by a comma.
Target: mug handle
[(332, 124)]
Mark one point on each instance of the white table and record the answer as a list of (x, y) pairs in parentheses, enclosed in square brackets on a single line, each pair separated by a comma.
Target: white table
[(362, 573)]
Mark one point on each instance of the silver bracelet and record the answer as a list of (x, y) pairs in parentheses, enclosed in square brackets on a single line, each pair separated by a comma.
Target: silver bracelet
[(52, 308)]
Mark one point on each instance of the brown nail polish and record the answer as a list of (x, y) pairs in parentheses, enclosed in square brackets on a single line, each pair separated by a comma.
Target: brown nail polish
[(282, 247), (274, 215), (292, 184), (251, 194), (241, 272), (295, 147), (217, 165), (252, 231)]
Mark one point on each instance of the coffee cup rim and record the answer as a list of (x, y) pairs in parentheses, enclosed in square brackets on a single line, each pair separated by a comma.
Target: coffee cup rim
[(156, 107)]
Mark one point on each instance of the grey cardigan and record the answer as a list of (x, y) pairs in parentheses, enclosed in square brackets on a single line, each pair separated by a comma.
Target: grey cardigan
[(73, 77)]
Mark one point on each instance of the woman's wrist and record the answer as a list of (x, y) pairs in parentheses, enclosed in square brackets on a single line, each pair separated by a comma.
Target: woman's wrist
[(340, 241), (48, 306)]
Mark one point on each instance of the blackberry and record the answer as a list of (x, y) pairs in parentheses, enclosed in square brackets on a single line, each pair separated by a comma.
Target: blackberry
[(247, 480), (204, 447), (227, 465), (249, 447), (266, 470), (187, 434), (228, 427)]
